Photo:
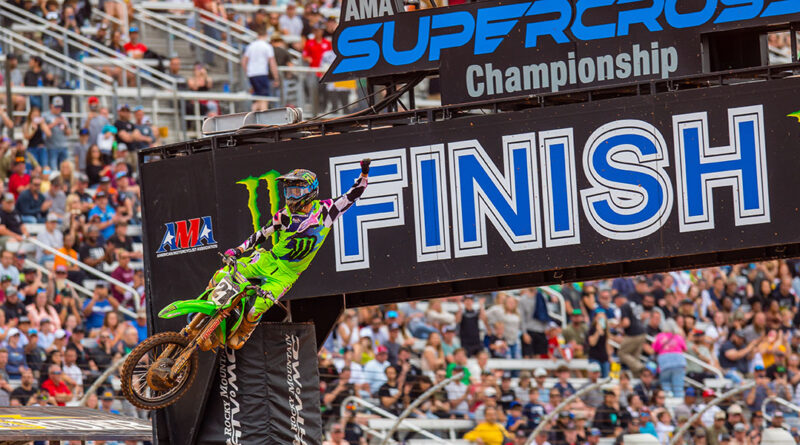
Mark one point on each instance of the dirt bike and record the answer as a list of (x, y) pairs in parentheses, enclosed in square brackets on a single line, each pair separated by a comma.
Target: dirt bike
[(162, 368)]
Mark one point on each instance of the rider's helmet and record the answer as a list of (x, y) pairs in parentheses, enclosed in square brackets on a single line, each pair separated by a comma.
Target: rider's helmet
[(300, 187)]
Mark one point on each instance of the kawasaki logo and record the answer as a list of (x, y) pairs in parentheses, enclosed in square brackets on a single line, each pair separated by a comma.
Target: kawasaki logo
[(295, 389)]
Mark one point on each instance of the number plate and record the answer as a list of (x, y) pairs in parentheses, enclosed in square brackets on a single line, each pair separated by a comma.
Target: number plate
[(224, 291)]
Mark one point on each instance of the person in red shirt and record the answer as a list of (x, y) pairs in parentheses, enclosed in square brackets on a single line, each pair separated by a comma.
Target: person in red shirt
[(56, 387), (19, 179), (134, 48), (315, 48)]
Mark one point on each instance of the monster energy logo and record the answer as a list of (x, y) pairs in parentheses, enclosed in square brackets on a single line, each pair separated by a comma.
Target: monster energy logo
[(302, 247), (251, 184)]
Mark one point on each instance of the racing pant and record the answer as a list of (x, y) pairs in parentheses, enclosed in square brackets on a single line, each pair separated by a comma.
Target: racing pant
[(275, 279)]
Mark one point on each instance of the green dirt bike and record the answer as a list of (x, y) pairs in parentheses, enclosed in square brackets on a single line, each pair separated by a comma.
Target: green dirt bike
[(162, 368)]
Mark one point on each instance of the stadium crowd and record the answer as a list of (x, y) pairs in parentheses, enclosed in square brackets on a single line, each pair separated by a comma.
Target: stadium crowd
[(61, 326), (672, 331)]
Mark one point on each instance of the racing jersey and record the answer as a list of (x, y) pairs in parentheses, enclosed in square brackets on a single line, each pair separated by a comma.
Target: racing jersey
[(300, 235)]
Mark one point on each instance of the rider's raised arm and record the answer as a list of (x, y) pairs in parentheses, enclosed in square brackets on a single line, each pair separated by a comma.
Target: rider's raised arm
[(333, 209)]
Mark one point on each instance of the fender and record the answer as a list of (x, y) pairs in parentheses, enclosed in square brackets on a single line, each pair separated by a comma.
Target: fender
[(184, 307)]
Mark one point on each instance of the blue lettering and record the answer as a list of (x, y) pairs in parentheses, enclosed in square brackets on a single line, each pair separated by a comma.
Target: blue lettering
[(357, 49), (740, 10), (646, 16), (412, 55), (649, 185), (482, 193), (558, 174), (631, 194), (702, 168), (494, 24), (782, 7), (459, 18), (554, 28), (691, 19), (593, 32), (430, 202)]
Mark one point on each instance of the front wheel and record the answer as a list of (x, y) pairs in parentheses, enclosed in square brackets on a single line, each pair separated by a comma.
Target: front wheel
[(143, 373)]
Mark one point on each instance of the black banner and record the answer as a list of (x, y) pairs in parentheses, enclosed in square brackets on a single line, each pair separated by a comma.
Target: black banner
[(268, 392), (495, 49), (184, 273), (517, 193), (293, 382)]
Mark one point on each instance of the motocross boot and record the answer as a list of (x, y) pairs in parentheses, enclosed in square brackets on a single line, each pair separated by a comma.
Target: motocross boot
[(249, 323)]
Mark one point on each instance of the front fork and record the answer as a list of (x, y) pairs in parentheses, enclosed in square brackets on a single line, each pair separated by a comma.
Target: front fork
[(204, 333)]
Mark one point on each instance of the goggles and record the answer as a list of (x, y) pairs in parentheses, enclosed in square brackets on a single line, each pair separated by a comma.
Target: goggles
[(296, 192)]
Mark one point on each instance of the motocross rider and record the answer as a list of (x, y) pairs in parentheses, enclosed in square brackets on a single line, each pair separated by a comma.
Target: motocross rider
[(301, 227)]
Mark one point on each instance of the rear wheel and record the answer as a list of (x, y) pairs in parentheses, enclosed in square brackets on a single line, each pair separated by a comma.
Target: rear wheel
[(144, 375)]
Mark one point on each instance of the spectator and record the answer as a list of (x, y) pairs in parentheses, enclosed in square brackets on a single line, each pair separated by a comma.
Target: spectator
[(16, 354), (215, 8), (91, 250), (374, 369), (96, 119), (606, 417), (468, 318), (134, 48), (7, 268), (35, 131), (71, 369), (19, 179), (129, 340), (41, 309), (25, 393), (56, 130), (13, 308), (126, 130), (489, 431), (32, 204), (201, 81), (123, 273), (175, 72), (336, 436), (56, 387), (316, 47), (290, 23), (391, 392), (103, 215), (260, 67), (97, 166), (94, 309), (734, 355), (575, 333), (670, 347), (533, 322), (597, 342), (634, 340), (146, 128), (37, 76)]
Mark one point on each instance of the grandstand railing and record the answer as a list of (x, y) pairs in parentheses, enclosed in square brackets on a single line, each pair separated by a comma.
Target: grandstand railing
[(85, 74), (386, 414), (252, 7), (174, 29), (49, 273), (179, 120), (84, 44), (678, 436), (137, 303), (562, 315), (419, 401), (779, 401), (238, 34), (545, 422)]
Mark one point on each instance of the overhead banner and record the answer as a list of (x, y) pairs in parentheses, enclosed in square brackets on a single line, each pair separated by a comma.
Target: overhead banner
[(573, 186), (494, 49)]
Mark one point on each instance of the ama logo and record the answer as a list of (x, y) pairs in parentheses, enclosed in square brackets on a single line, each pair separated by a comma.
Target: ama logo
[(191, 235)]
